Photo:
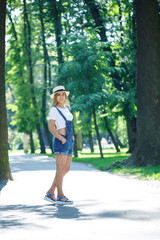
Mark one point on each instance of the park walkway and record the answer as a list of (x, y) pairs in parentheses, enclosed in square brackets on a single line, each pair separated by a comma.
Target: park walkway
[(106, 207)]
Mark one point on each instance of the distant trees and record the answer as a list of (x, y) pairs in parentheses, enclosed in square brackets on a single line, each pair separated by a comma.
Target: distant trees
[(5, 173), (90, 47), (49, 27)]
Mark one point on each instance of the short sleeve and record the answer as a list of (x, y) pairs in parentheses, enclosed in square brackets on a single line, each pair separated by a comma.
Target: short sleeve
[(53, 113)]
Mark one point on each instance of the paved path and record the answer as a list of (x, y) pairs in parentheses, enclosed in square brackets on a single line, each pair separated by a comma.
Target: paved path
[(106, 207)]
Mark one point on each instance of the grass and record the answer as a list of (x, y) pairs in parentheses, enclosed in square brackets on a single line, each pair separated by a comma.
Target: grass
[(110, 156), (145, 173)]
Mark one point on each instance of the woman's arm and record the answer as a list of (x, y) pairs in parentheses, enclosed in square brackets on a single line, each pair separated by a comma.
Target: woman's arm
[(55, 132)]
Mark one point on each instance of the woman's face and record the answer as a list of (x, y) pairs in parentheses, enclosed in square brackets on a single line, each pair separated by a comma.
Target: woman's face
[(61, 97)]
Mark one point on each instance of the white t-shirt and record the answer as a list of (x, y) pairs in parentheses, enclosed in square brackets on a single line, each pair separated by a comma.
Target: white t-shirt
[(59, 120)]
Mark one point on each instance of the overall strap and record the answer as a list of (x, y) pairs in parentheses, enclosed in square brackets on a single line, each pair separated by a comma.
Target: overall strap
[(68, 108), (61, 113)]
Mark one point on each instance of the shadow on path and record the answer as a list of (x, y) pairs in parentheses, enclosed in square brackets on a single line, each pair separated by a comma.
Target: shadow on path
[(17, 215)]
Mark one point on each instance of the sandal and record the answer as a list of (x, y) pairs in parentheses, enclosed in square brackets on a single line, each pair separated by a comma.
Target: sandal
[(48, 197), (60, 201)]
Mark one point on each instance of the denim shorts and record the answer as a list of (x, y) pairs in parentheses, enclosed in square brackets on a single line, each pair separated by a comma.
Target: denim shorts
[(64, 149)]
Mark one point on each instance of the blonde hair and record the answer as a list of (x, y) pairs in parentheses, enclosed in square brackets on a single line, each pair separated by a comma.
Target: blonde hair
[(54, 102)]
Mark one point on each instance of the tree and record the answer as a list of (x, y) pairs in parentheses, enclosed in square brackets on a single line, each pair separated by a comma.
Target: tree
[(56, 10), (41, 46), (5, 173), (23, 116), (85, 74), (27, 34), (123, 75), (111, 134), (147, 151), (45, 57)]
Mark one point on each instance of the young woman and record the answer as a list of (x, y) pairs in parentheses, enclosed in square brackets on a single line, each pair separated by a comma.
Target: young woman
[(60, 125)]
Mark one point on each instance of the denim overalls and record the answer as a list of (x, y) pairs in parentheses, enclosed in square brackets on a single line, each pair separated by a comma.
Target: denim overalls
[(67, 147)]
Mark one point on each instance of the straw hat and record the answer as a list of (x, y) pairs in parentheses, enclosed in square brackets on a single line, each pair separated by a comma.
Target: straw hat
[(59, 89)]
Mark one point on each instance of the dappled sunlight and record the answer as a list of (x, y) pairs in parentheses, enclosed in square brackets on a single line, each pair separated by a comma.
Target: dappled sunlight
[(33, 162), (30, 162)]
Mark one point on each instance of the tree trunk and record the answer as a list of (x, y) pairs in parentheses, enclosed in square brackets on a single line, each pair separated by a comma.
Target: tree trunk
[(49, 75), (111, 134), (25, 143), (147, 151), (75, 150), (119, 2), (119, 143), (5, 173), (45, 56), (58, 29), (91, 141), (131, 130), (56, 12), (97, 18), (31, 142), (28, 45), (97, 132)]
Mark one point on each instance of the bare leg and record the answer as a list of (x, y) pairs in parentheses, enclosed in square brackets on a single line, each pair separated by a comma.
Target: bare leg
[(68, 164), (60, 171), (66, 170)]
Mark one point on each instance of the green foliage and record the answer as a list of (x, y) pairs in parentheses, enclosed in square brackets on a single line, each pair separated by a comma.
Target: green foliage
[(17, 70), (15, 139), (92, 77), (85, 71)]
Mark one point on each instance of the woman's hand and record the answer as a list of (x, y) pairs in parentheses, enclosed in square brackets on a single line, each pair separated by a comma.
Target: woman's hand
[(63, 141)]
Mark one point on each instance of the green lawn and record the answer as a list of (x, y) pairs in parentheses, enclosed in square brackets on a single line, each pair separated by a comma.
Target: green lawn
[(110, 156)]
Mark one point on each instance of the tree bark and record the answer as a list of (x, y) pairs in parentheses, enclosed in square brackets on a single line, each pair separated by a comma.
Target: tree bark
[(28, 45), (111, 134), (75, 150), (58, 29), (97, 18), (56, 12), (49, 76), (45, 56), (131, 131), (31, 142), (97, 132), (25, 143), (147, 151), (119, 143), (91, 141), (5, 172)]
